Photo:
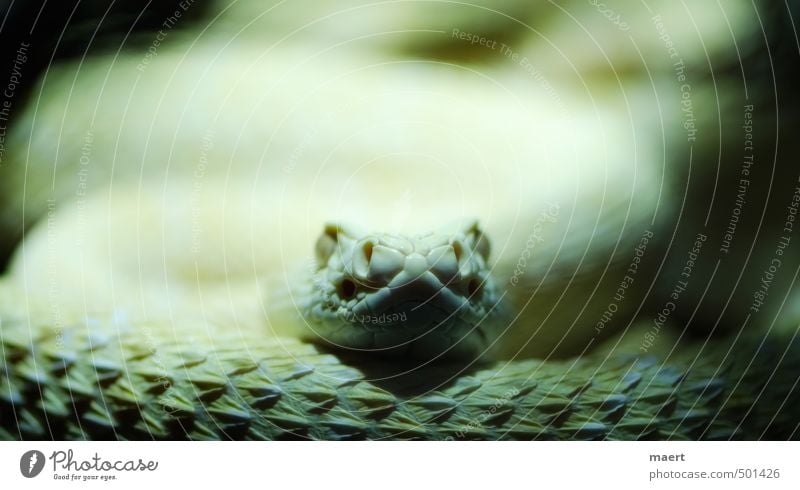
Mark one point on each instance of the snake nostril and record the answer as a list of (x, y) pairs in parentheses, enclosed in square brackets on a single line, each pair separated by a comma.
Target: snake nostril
[(346, 289), (474, 288)]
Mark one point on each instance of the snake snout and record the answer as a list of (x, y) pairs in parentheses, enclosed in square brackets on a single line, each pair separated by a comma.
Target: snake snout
[(382, 289)]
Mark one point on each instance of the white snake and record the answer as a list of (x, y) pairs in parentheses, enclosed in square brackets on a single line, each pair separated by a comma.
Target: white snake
[(195, 227)]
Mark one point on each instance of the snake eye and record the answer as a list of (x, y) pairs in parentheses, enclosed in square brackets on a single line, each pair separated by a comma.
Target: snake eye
[(346, 289)]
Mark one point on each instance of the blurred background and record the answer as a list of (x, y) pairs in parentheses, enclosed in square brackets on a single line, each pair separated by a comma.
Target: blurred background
[(664, 90)]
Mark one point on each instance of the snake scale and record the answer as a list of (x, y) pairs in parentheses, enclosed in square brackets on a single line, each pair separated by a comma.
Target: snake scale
[(169, 282)]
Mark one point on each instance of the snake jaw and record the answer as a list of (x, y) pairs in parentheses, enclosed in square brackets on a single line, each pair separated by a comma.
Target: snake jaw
[(424, 295)]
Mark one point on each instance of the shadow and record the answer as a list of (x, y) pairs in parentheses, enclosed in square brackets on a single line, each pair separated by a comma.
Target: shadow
[(405, 377)]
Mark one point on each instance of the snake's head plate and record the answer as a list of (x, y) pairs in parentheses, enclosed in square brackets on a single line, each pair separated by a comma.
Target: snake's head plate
[(425, 295)]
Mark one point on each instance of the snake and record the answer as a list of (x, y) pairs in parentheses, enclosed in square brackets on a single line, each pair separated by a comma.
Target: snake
[(358, 257)]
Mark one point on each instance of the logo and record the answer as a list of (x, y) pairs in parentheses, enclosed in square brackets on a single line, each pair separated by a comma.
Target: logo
[(31, 463)]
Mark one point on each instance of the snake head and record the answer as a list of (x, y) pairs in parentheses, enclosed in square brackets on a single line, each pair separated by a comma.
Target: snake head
[(427, 295)]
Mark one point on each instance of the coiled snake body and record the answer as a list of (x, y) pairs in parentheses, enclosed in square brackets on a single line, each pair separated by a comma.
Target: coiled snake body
[(175, 288)]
